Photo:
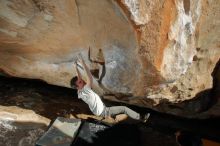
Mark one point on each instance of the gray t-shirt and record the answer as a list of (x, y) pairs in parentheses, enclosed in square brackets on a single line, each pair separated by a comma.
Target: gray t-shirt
[(92, 99)]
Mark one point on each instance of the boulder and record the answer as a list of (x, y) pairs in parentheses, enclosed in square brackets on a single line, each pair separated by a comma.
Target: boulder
[(142, 52)]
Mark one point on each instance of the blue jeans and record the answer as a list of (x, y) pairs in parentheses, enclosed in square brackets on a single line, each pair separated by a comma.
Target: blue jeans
[(116, 110)]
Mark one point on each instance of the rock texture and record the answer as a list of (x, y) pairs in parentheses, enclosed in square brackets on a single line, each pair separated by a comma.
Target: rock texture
[(142, 52), (21, 126), (16, 114)]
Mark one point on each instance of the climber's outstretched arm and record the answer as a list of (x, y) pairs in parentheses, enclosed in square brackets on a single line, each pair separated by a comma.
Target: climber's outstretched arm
[(89, 78)]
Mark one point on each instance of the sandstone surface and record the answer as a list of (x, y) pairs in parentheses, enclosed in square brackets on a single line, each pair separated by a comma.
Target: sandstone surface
[(142, 52)]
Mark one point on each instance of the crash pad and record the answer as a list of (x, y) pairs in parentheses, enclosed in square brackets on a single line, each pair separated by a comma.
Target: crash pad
[(61, 133)]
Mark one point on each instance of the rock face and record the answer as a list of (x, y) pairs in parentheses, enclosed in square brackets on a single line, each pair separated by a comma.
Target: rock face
[(141, 51)]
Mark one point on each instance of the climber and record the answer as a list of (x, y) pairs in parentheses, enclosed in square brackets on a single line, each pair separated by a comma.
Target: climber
[(94, 101)]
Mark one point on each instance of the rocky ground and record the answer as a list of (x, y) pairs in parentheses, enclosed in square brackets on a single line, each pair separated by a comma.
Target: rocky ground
[(28, 107)]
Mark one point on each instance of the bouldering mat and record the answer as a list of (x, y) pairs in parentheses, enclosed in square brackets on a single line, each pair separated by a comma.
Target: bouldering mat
[(61, 133)]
